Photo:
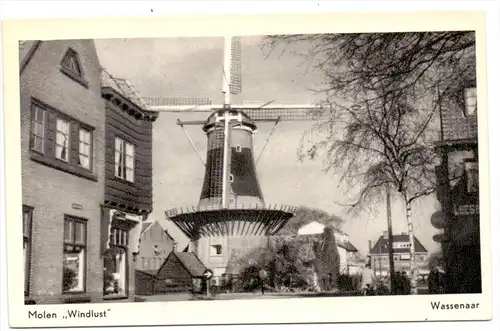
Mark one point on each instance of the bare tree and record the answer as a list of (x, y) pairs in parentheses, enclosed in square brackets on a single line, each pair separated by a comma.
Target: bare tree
[(384, 94)]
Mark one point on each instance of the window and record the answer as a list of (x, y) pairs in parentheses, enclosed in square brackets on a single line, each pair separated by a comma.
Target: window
[(71, 63), (115, 264), (75, 249), (472, 174), (405, 257), (119, 237), (27, 224), (216, 250), (38, 129), (238, 148), (231, 178), (457, 166), (124, 159), (54, 138), (62, 139), (84, 151), (470, 101)]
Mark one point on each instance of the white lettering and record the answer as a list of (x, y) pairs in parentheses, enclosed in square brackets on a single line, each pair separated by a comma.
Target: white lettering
[(464, 210)]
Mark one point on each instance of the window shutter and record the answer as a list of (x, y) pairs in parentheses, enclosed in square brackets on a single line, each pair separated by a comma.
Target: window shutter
[(50, 136), (73, 139)]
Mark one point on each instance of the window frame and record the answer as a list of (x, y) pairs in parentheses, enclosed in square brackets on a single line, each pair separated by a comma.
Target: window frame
[(471, 174), (120, 242), (78, 76), (67, 143), (218, 250), (467, 97), (28, 241), (73, 220), (90, 148), (122, 155), (48, 156), (33, 115)]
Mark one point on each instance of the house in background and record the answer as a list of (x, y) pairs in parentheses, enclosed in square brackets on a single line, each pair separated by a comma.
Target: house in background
[(63, 162), (155, 245), (379, 254), (128, 190), (347, 251)]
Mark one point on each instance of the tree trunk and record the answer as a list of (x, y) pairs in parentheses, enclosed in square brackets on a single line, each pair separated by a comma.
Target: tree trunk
[(413, 266)]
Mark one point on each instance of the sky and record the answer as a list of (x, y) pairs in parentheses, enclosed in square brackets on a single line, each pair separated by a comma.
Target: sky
[(192, 67)]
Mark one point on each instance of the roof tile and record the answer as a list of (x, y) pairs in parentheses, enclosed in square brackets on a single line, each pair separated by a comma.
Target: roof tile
[(192, 263)]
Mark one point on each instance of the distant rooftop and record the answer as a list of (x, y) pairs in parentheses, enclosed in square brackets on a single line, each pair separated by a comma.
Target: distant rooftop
[(382, 245)]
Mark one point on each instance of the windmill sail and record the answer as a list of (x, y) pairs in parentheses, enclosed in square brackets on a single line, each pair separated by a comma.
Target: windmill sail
[(235, 85)]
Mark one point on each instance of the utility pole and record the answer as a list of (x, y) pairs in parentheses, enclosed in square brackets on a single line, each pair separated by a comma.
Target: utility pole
[(391, 239)]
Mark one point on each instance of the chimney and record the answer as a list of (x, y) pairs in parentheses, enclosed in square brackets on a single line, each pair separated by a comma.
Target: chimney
[(369, 246), (385, 234), (174, 246)]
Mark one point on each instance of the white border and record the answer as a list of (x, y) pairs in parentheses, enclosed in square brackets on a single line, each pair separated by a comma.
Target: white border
[(121, 9)]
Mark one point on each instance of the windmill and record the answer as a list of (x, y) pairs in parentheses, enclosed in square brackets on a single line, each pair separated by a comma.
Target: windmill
[(231, 202)]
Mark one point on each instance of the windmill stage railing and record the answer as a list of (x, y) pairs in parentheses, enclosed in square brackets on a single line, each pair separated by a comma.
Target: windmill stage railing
[(210, 207), (234, 220)]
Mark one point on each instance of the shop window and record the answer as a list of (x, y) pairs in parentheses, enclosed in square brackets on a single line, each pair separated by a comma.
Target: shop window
[(27, 226), (75, 250), (115, 264)]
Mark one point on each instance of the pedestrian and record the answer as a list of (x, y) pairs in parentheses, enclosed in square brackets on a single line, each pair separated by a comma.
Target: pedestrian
[(397, 283), (263, 277), (367, 279), (406, 283), (436, 281), (433, 281)]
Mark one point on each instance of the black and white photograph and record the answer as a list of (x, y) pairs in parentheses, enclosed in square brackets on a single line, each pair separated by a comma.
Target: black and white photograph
[(262, 167)]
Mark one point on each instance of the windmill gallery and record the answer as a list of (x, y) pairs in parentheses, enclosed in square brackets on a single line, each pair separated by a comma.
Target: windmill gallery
[(102, 159)]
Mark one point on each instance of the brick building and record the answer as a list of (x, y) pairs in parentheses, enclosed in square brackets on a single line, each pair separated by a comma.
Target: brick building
[(62, 142), (379, 254), (459, 194), (86, 170)]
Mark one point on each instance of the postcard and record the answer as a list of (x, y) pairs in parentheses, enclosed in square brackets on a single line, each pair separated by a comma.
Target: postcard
[(233, 169)]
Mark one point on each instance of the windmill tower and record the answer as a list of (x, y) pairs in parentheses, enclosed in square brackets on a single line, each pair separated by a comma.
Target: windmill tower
[(231, 203)]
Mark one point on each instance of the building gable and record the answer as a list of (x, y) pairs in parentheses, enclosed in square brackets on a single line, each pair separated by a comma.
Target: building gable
[(381, 246), (173, 268)]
